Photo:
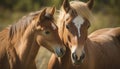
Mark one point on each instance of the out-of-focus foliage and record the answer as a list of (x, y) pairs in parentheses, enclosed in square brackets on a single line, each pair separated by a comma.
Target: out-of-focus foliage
[(106, 11), (27, 5)]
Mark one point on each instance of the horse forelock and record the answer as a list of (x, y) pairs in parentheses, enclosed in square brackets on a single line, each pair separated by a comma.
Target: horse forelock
[(19, 28), (82, 10)]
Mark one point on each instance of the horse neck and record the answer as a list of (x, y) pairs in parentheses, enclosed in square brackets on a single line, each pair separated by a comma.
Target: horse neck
[(28, 48), (88, 55), (65, 61), (88, 45)]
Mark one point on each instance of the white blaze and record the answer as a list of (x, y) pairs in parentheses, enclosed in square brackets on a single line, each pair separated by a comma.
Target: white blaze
[(74, 46), (78, 50), (53, 25), (78, 21), (73, 49)]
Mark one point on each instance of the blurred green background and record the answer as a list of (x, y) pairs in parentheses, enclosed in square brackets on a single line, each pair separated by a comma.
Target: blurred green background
[(106, 14)]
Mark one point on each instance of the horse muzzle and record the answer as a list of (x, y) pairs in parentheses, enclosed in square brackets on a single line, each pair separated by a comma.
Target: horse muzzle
[(78, 60), (59, 52)]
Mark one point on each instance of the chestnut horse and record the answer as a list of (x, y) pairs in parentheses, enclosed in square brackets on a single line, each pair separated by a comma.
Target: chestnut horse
[(19, 43), (100, 50)]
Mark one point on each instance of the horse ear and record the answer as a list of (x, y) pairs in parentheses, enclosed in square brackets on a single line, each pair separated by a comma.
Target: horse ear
[(66, 5), (52, 11), (42, 14), (90, 4)]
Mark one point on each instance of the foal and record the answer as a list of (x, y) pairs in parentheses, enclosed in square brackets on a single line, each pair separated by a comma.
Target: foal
[(97, 51), (19, 43)]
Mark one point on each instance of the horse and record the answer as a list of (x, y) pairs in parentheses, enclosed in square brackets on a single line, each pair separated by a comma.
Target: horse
[(20, 42), (99, 50)]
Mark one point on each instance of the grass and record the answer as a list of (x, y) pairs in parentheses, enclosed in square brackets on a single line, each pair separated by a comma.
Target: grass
[(102, 20)]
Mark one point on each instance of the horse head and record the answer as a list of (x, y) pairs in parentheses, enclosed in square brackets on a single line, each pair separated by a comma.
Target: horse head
[(74, 21), (38, 28), (47, 32)]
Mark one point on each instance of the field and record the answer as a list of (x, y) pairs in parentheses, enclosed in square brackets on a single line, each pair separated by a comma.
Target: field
[(42, 58), (101, 20)]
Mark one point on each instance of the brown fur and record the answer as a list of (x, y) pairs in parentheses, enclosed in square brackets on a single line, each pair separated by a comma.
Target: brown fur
[(19, 43), (102, 47), (102, 52)]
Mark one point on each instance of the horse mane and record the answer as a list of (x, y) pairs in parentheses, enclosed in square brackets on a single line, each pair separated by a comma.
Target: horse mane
[(82, 9), (19, 28), (3, 34)]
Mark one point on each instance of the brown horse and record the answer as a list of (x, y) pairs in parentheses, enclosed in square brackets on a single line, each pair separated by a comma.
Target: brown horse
[(19, 43), (100, 50)]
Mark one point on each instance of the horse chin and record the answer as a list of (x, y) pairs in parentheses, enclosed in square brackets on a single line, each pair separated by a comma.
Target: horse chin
[(77, 63)]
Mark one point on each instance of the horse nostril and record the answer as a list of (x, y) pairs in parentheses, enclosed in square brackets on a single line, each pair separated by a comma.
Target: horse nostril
[(82, 56), (62, 50), (59, 52), (74, 56)]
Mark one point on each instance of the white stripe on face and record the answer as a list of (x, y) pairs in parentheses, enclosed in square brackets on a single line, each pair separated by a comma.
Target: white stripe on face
[(78, 21), (53, 25), (73, 49), (74, 46), (77, 50)]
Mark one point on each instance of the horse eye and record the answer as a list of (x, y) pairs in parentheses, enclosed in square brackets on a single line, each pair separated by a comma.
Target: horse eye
[(47, 32), (67, 26)]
